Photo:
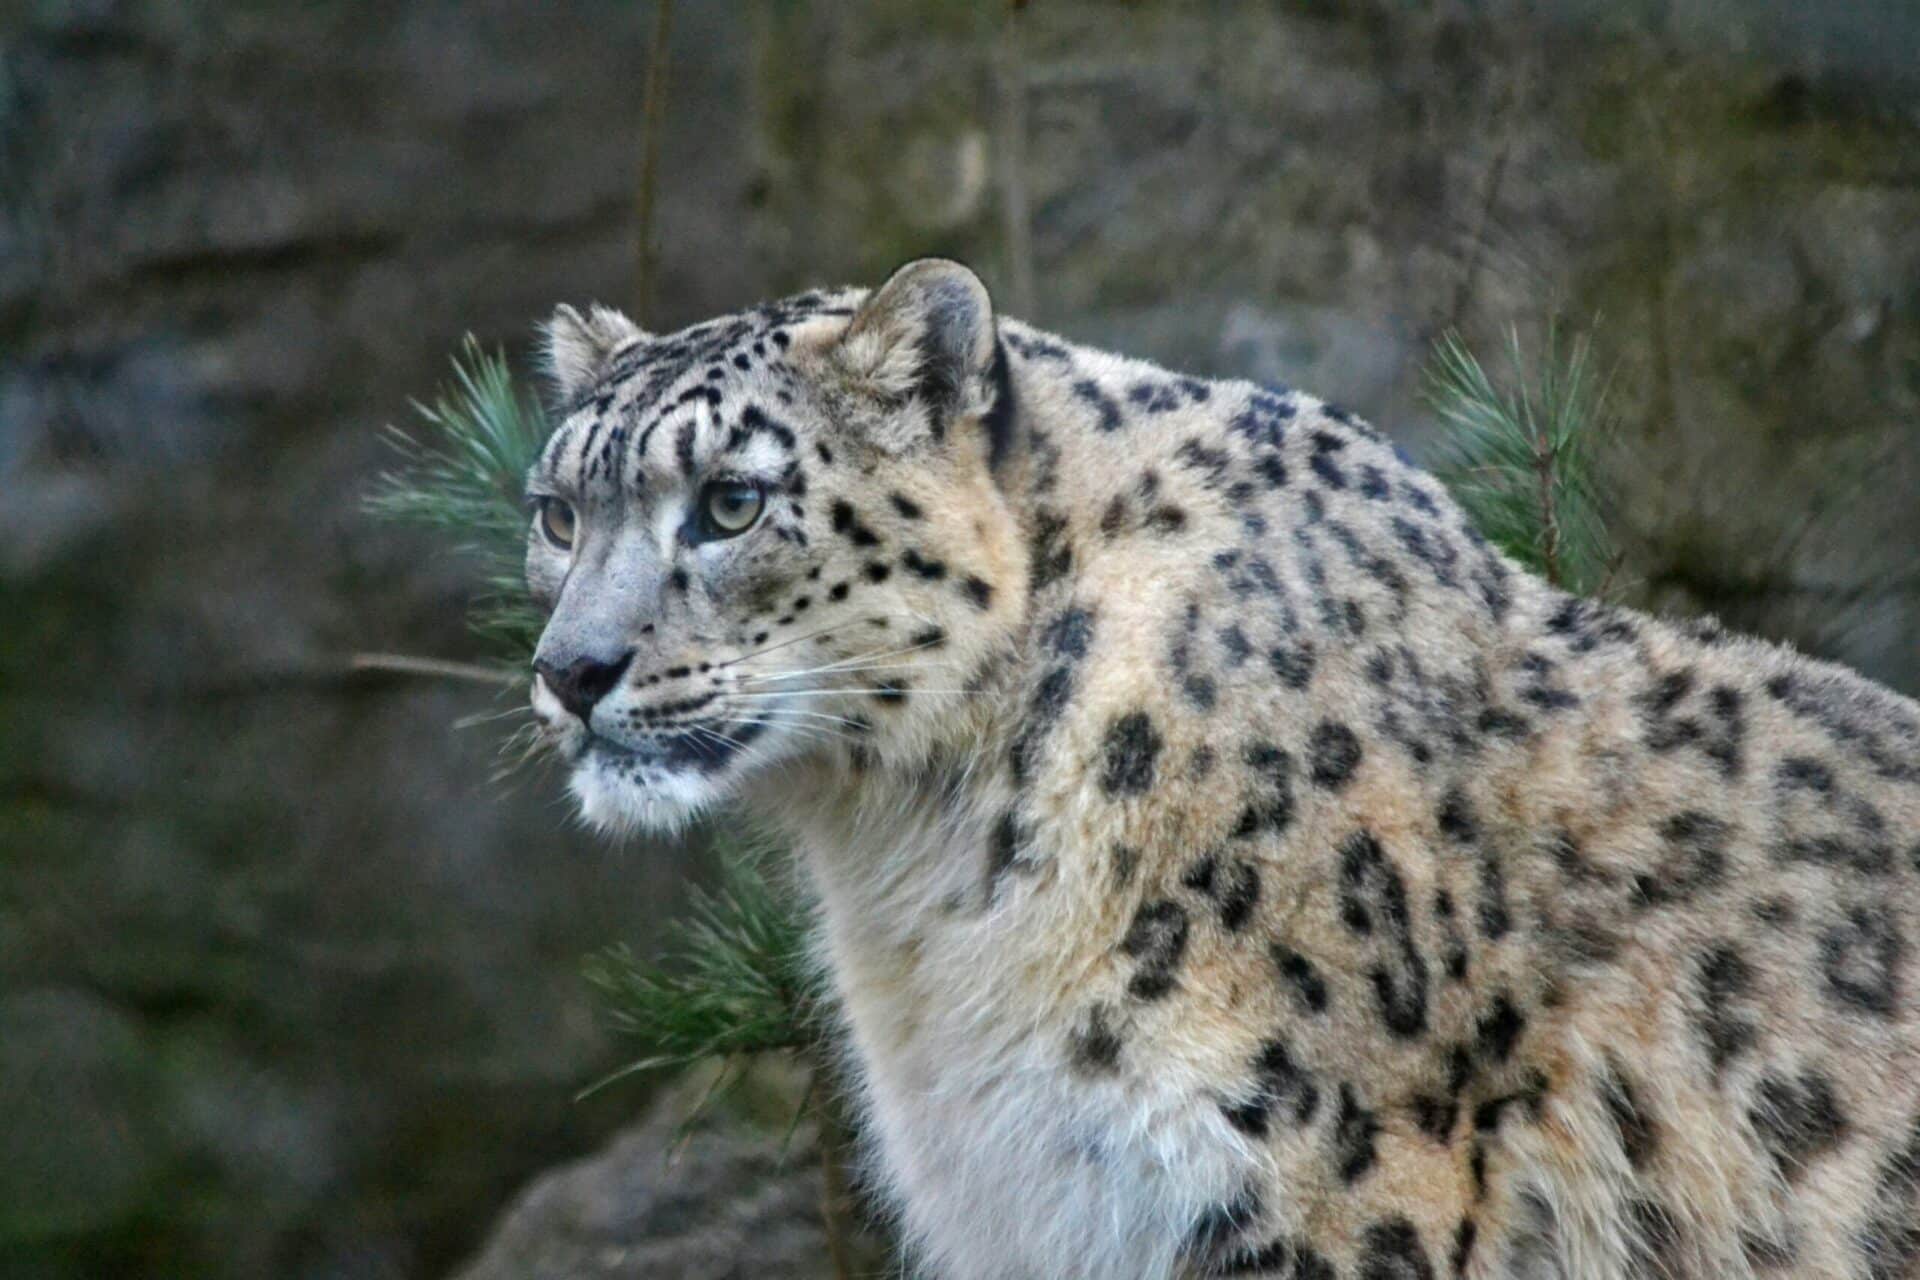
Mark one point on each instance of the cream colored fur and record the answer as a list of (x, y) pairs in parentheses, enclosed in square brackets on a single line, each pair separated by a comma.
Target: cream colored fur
[(1653, 886)]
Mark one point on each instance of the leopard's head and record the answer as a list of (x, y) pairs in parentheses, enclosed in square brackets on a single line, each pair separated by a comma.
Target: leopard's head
[(770, 537)]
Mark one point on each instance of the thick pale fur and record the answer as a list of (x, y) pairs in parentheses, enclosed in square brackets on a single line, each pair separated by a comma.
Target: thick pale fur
[(1228, 863)]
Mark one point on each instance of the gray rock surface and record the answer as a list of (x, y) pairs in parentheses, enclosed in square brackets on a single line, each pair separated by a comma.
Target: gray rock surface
[(730, 1204)]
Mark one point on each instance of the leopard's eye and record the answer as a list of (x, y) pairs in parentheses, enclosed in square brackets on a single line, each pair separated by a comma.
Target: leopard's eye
[(730, 507), (557, 523)]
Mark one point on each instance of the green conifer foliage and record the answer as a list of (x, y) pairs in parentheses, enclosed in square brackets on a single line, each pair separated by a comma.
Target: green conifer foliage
[(1521, 458)]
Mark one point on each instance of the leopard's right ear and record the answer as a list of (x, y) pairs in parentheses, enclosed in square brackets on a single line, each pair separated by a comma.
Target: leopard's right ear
[(924, 345), (579, 347)]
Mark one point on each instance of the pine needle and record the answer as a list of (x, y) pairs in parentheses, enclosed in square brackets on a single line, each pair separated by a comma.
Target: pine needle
[(461, 476), (1522, 460), (733, 979)]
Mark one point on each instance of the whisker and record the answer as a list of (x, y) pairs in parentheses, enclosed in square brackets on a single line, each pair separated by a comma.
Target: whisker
[(715, 735), (799, 711), (518, 748), (826, 630), (719, 735), (807, 712), (857, 662), (734, 662), (894, 652), (760, 713), (810, 732), (487, 717), (821, 693), (852, 671)]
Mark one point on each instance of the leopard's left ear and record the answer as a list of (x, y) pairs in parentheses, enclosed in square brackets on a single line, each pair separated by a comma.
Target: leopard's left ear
[(579, 347), (925, 340)]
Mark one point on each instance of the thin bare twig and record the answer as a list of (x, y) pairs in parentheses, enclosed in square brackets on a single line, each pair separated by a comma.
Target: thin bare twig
[(434, 668), (1543, 466), (1605, 589), (836, 1198), (1476, 245), (1010, 123), (1661, 259), (653, 104), (1506, 123)]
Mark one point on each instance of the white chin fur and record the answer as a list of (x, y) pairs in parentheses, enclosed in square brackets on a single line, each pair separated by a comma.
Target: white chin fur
[(662, 803)]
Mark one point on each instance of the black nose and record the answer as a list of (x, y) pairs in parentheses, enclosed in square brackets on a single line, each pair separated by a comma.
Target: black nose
[(581, 684)]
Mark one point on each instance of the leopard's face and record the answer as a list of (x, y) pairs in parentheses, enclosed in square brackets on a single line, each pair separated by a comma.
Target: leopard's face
[(764, 538)]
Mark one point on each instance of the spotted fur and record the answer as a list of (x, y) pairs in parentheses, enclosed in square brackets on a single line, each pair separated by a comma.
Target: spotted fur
[(1228, 862)]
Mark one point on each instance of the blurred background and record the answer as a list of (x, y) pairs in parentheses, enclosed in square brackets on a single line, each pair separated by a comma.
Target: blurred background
[(288, 987)]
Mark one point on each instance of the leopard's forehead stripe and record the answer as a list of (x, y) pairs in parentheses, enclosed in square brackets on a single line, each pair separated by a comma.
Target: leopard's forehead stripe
[(661, 398)]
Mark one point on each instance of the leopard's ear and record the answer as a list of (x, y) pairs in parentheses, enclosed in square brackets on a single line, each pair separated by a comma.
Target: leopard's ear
[(578, 347), (925, 339)]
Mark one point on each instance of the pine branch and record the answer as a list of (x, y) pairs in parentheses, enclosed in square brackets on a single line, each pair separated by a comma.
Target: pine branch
[(733, 981), (462, 476), (1522, 461)]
